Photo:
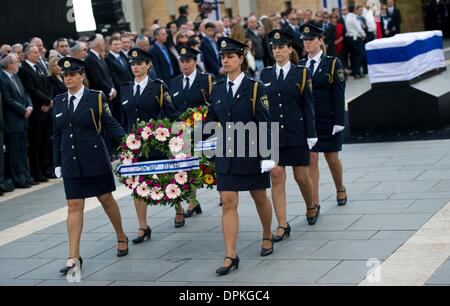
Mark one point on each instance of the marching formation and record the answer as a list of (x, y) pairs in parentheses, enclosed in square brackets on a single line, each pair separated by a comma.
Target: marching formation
[(303, 99)]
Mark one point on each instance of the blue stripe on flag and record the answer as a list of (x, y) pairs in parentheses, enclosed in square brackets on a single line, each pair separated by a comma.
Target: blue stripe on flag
[(406, 53)]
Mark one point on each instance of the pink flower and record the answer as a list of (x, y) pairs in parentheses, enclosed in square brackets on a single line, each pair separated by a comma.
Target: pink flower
[(146, 133), (143, 190), (181, 178), (156, 194), (176, 144), (161, 134), (172, 191), (186, 187), (132, 181), (141, 179), (180, 156), (133, 143)]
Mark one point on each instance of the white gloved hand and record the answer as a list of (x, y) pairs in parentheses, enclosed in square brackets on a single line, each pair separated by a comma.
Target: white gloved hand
[(337, 129), (58, 172), (312, 142), (267, 165)]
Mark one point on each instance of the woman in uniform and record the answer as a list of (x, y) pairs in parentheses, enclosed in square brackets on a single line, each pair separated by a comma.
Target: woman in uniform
[(328, 81), (288, 87), (190, 89), (81, 157), (239, 99), (143, 100)]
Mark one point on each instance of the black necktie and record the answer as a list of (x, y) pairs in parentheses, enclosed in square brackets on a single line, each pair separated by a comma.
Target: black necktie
[(138, 92), (72, 105), (311, 66), (280, 78), (16, 84), (230, 92), (186, 87)]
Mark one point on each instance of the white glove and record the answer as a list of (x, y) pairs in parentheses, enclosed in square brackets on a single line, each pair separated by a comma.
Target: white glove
[(337, 129), (267, 165), (312, 142), (58, 172)]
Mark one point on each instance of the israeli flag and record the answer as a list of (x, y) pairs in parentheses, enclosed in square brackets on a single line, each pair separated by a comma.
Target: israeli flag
[(404, 56)]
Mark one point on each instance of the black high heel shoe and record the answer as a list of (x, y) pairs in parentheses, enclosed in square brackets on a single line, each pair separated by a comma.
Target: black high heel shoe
[(121, 253), (66, 269), (286, 234), (342, 202), (147, 234), (226, 270), (313, 220), (197, 210), (267, 252), (179, 224)]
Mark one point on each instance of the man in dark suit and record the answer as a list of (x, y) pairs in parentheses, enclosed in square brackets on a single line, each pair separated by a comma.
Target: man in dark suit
[(36, 84), (162, 63), (396, 18), (210, 51), (120, 71), (292, 28), (97, 71), (17, 108)]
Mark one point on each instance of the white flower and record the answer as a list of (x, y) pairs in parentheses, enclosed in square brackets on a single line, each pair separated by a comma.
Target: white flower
[(127, 158), (156, 194), (146, 133), (161, 134), (155, 177), (143, 190), (180, 156), (172, 191), (181, 178), (176, 144), (133, 143)]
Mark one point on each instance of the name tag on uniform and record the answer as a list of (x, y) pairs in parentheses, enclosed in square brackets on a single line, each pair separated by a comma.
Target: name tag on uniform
[(176, 94), (124, 102), (58, 115), (267, 84)]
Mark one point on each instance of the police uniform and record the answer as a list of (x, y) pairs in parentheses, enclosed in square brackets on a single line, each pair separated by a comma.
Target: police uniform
[(151, 102), (291, 105), (78, 147), (328, 82), (199, 89), (249, 104)]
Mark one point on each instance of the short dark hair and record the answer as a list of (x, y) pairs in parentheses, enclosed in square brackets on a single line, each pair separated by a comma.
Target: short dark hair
[(114, 38), (169, 24), (351, 8), (210, 25)]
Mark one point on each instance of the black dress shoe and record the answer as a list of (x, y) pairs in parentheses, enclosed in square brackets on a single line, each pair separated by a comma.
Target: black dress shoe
[(32, 183), (226, 270), (147, 234), (313, 220), (22, 186), (66, 269), (342, 202), (287, 233), (121, 253), (267, 252), (179, 224), (196, 210)]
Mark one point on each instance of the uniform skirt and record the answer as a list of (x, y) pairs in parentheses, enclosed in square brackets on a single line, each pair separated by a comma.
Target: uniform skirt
[(232, 182), (88, 187), (294, 156), (329, 143)]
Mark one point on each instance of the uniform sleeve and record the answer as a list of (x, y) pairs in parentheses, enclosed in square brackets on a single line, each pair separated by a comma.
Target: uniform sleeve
[(210, 117), (339, 94), (109, 123), (262, 115), (168, 107), (308, 107), (56, 141)]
